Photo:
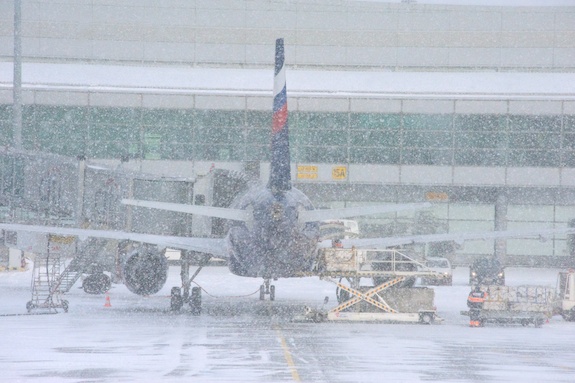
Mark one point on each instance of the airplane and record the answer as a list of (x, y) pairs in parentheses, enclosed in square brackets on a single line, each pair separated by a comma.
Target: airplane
[(273, 229)]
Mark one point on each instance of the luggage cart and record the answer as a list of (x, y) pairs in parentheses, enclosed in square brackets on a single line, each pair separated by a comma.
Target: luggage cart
[(522, 305)]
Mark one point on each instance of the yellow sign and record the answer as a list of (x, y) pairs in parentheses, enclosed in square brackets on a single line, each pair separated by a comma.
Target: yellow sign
[(61, 239), (436, 196), (339, 172), (307, 169), (307, 172)]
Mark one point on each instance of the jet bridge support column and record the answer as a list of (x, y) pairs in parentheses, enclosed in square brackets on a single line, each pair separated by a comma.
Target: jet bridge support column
[(79, 213), (500, 250)]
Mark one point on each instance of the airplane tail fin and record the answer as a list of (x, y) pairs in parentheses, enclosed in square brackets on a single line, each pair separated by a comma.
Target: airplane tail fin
[(280, 179)]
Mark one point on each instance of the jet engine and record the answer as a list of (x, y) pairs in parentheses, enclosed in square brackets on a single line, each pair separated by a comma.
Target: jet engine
[(145, 270)]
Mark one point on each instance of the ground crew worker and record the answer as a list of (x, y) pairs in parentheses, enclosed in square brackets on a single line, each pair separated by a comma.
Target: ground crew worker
[(475, 303), (337, 243)]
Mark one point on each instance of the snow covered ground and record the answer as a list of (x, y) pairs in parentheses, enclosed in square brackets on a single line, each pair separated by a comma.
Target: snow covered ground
[(241, 339)]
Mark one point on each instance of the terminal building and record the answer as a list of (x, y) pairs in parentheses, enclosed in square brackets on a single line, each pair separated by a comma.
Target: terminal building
[(470, 107)]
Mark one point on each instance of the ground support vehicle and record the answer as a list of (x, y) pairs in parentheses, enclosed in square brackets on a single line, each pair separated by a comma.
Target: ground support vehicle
[(566, 295), (382, 300), (443, 267), (486, 271), (523, 305)]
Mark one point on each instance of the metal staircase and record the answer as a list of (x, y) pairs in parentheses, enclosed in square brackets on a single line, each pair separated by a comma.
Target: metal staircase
[(48, 282), (45, 277), (80, 264)]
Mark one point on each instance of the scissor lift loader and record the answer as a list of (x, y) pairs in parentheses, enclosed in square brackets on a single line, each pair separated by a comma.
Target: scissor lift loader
[(386, 300)]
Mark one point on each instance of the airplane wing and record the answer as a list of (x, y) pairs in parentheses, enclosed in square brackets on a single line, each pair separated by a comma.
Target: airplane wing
[(304, 215), (217, 212), (325, 214), (542, 234), (215, 246)]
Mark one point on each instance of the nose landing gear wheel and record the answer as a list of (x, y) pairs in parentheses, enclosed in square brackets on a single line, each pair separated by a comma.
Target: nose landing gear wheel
[(262, 292), (267, 289), (272, 292)]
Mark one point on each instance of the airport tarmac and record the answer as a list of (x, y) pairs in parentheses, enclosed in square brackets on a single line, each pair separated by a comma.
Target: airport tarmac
[(239, 338)]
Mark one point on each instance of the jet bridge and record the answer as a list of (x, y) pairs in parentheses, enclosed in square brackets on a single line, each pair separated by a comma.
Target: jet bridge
[(53, 190), (388, 295)]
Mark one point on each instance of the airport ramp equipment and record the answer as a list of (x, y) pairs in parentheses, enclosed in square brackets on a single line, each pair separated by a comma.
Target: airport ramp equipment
[(525, 305), (46, 276), (85, 258), (391, 296)]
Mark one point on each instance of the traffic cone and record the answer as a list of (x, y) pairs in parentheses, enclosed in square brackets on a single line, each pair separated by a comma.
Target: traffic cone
[(107, 304)]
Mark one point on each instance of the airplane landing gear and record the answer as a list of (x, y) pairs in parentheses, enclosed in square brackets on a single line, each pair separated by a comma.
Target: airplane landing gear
[(177, 298), (267, 289)]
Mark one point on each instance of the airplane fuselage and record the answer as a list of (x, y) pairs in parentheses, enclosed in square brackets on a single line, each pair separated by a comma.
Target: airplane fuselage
[(274, 244)]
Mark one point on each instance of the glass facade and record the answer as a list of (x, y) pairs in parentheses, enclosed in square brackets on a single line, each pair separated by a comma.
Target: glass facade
[(316, 137), (458, 217), (354, 138), (5, 125)]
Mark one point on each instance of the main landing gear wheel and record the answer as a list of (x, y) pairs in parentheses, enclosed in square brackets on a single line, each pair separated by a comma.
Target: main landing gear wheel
[(267, 289), (191, 296), (176, 299), (196, 301)]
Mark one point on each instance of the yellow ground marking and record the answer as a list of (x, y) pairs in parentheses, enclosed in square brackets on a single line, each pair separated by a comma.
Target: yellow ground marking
[(287, 356)]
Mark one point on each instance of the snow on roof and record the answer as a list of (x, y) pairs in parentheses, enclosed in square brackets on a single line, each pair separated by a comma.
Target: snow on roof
[(490, 3), (316, 83)]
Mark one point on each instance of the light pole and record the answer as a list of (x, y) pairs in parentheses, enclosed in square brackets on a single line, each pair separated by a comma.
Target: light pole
[(17, 83)]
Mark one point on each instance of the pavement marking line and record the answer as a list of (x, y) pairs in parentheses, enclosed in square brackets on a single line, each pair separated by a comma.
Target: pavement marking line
[(287, 356)]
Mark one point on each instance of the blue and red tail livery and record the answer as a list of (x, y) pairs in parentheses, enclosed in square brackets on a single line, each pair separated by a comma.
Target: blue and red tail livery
[(280, 179)]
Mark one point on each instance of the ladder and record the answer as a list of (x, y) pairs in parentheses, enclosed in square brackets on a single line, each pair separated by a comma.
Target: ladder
[(79, 264), (45, 277)]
